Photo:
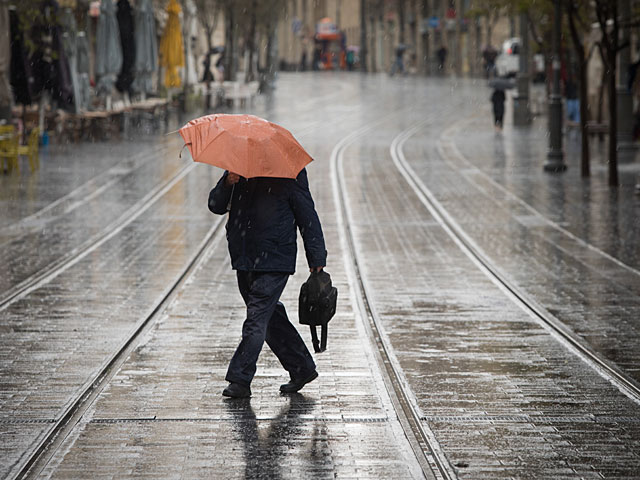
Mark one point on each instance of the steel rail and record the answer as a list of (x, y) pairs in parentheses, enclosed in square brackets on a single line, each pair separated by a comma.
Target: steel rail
[(423, 442), (562, 332), (88, 190), (59, 265), (41, 453)]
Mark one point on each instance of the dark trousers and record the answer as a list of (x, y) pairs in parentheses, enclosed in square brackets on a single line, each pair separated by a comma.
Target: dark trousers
[(267, 320), (498, 114)]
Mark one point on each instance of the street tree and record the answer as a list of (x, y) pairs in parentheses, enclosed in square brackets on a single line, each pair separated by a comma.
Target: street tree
[(208, 15), (578, 15), (231, 10), (607, 15), (268, 12)]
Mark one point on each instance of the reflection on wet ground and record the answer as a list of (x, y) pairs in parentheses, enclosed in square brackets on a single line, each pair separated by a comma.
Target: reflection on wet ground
[(502, 396), (539, 229)]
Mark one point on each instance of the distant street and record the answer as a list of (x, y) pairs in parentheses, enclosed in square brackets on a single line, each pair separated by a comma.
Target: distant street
[(488, 314)]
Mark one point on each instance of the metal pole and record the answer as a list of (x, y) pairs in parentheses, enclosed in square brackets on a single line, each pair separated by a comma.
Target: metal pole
[(626, 146), (521, 113), (363, 35), (555, 154)]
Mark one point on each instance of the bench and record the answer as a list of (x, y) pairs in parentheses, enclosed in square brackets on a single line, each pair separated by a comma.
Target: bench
[(105, 124)]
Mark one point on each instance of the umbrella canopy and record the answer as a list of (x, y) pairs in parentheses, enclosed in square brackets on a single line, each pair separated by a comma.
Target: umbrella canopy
[(146, 47), (108, 48), (171, 49), (245, 144)]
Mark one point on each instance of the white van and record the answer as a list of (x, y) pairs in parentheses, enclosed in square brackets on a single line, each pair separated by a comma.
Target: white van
[(508, 61)]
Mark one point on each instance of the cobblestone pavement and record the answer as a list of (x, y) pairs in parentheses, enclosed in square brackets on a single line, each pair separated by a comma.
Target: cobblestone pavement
[(542, 230), (503, 396)]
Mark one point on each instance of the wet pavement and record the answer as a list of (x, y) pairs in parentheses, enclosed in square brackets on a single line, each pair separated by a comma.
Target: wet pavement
[(502, 395)]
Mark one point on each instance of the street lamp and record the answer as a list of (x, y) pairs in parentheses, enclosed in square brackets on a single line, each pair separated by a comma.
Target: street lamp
[(521, 112), (555, 155)]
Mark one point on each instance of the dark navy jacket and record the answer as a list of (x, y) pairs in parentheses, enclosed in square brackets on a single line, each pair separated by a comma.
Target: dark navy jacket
[(263, 216)]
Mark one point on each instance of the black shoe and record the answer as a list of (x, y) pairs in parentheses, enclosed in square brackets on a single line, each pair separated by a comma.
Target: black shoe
[(295, 385), (235, 390)]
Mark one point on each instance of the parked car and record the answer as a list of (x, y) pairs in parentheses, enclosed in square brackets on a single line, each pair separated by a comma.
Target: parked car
[(508, 61)]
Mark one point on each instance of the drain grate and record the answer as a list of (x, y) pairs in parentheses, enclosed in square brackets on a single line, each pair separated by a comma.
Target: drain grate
[(22, 421), (529, 419), (242, 419)]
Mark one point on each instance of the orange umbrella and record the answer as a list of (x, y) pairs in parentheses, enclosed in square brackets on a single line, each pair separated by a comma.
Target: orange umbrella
[(245, 144)]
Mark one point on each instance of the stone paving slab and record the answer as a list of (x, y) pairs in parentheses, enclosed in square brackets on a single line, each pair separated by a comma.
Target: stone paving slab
[(596, 297), (65, 170), (56, 338), (588, 208), (502, 397), (340, 426), (464, 348), (30, 245)]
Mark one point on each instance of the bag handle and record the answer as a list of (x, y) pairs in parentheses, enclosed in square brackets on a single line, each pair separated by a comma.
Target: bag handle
[(319, 346)]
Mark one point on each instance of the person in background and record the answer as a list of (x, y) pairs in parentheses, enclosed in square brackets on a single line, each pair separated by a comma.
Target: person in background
[(398, 64), (572, 101), (497, 99), (442, 58)]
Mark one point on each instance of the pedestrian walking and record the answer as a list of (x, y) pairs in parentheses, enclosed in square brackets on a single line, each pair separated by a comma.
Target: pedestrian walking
[(442, 58), (261, 231), (266, 192), (398, 64), (572, 101), (497, 99)]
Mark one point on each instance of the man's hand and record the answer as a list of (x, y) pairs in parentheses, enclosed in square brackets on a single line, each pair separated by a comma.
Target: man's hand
[(232, 178), (316, 269)]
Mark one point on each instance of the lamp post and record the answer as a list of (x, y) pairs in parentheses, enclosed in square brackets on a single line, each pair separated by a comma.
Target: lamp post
[(555, 155), (521, 113), (624, 139)]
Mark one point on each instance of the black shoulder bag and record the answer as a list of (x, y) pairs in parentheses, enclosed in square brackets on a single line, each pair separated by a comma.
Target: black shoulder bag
[(317, 305)]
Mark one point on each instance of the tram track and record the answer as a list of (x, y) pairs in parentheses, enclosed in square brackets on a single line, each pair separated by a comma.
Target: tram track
[(83, 193), (448, 150), (33, 461), (37, 458), (60, 264), (555, 326), (423, 442)]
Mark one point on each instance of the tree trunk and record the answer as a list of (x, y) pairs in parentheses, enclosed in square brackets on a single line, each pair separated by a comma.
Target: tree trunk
[(585, 169), (207, 66), (374, 47), (601, 91), (582, 73), (230, 43), (401, 20), (363, 35), (613, 122), (251, 41)]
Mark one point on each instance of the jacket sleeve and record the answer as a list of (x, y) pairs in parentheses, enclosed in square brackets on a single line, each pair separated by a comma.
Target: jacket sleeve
[(308, 222), (220, 195)]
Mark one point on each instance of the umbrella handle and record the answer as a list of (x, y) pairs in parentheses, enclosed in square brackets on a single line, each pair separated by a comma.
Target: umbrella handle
[(185, 145), (231, 197)]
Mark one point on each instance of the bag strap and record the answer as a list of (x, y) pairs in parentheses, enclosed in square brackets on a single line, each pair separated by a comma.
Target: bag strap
[(323, 338), (319, 346)]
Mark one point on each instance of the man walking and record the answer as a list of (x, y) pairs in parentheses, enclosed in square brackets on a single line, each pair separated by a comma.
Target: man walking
[(261, 230)]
